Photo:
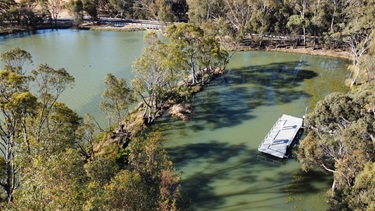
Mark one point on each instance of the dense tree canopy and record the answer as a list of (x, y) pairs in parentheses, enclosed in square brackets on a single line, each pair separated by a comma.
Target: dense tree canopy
[(341, 140), (48, 159)]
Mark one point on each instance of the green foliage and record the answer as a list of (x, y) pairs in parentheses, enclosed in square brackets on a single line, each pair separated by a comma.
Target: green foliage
[(362, 196), (22, 103), (62, 124), (366, 65), (16, 105), (294, 21), (17, 14), (149, 160), (75, 8), (121, 8), (101, 170), (5, 5), (32, 125), (152, 75), (199, 54), (188, 58), (201, 12), (49, 159), (51, 83), (128, 191), (52, 7), (10, 83), (340, 140), (90, 7), (57, 176), (15, 59), (118, 97)]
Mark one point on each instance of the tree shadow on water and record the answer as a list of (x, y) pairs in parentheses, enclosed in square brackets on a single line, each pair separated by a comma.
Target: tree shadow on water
[(215, 109), (229, 99), (217, 162), (304, 182), (228, 102), (211, 150), (276, 75)]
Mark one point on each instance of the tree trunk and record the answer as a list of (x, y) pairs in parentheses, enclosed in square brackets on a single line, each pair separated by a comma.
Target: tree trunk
[(333, 186)]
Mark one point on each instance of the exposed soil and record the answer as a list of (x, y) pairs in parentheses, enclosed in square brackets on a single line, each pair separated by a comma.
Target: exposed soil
[(311, 51)]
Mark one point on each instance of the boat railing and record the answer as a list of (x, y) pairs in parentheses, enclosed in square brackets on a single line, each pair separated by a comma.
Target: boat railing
[(269, 133)]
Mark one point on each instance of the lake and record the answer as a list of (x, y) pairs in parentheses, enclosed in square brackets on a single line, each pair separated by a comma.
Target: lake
[(216, 150)]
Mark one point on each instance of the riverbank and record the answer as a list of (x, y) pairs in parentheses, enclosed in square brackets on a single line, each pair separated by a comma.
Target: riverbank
[(13, 30), (126, 28), (141, 25), (318, 52), (309, 50), (339, 53)]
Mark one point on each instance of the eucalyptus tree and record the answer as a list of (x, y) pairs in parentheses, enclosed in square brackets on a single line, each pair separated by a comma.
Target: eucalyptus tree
[(164, 11), (118, 97), (337, 15), (148, 182), (341, 140), (187, 40), (154, 10), (53, 7), (318, 20), (91, 8), (367, 67), (212, 16), (16, 59), (199, 53), (144, 9), (28, 119), (362, 196), (50, 84), (59, 176), (75, 8), (238, 13), (189, 56), (204, 11), (122, 8), (29, 4), (359, 31), (301, 19), (152, 76), (16, 103), (262, 17)]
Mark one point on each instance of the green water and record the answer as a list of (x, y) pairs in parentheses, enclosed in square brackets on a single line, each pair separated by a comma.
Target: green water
[(216, 150), (86, 55)]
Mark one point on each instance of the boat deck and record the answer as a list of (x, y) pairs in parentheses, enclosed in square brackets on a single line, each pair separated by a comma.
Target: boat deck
[(281, 136)]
